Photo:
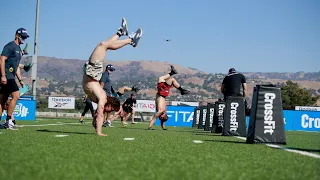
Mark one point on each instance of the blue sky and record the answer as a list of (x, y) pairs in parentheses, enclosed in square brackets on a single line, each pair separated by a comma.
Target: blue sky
[(210, 35)]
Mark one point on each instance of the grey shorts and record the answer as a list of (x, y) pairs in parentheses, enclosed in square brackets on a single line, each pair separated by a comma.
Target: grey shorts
[(93, 70)]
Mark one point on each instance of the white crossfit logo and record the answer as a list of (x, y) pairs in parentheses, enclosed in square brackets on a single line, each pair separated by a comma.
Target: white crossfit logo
[(220, 115), (269, 123), (233, 116)]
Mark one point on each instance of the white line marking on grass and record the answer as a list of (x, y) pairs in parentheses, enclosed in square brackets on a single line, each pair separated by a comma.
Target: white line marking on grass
[(288, 149), (197, 141), (38, 125), (294, 151), (243, 138), (61, 135), (1, 132), (128, 139), (308, 131)]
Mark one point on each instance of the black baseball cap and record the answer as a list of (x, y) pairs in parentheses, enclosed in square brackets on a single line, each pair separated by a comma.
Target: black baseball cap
[(232, 70), (110, 67), (22, 32)]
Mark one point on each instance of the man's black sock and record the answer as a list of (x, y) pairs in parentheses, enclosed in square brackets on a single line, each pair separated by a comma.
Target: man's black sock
[(8, 117)]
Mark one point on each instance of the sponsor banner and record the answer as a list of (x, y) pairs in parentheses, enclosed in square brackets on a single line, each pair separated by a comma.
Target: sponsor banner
[(61, 102), (24, 110), (307, 108), (293, 120), (179, 116), (181, 103), (145, 106), (305, 121), (299, 120)]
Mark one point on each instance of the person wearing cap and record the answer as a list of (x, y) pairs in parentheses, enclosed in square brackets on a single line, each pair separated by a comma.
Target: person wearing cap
[(232, 83), (128, 106), (93, 70), (9, 70)]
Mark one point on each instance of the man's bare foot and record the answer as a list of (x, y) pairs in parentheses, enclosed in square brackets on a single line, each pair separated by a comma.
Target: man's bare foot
[(102, 134)]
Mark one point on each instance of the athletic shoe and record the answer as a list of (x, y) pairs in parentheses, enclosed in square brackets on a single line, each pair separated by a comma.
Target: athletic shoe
[(82, 122), (173, 70), (124, 26), (123, 29), (150, 128), (184, 92), (135, 89), (10, 125), (135, 37)]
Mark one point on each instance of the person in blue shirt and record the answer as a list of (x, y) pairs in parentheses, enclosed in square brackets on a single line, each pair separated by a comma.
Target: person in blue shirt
[(9, 70)]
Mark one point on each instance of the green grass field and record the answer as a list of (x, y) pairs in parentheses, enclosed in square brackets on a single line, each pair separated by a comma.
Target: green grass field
[(35, 153)]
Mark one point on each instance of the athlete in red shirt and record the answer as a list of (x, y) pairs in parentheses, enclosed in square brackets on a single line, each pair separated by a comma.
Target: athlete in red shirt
[(164, 84)]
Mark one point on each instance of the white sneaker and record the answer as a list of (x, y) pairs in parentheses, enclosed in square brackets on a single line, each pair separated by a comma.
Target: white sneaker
[(10, 125), (136, 37)]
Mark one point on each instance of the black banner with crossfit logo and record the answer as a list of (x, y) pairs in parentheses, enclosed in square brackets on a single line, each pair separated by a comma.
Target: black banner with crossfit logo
[(202, 117), (266, 118), (234, 117), (209, 118), (196, 117), (218, 118)]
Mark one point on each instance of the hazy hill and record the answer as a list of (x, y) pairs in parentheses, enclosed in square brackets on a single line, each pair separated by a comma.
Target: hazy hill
[(65, 77)]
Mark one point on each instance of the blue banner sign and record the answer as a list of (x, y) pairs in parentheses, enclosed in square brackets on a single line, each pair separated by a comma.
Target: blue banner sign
[(293, 120), (25, 110), (179, 116)]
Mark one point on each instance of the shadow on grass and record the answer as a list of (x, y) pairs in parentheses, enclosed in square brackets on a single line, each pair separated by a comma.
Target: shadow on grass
[(303, 149), (223, 141), (51, 131)]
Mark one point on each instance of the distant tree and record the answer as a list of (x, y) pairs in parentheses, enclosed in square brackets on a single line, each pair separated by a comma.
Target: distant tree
[(79, 105), (293, 95), (51, 87), (61, 89)]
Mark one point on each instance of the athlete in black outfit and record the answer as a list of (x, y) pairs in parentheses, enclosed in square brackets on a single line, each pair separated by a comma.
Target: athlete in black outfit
[(232, 83), (86, 108), (128, 106)]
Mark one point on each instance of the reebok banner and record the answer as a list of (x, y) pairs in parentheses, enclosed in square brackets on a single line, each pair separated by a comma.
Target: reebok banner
[(196, 116), (209, 117), (218, 118), (234, 117), (202, 117), (266, 118)]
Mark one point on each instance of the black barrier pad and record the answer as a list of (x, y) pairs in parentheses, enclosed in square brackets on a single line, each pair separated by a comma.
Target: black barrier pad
[(218, 119), (266, 121), (196, 116), (203, 112), (209, 117), (234, 117)]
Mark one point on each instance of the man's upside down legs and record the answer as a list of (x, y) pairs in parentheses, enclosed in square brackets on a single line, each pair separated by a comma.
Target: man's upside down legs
[(94, 67)]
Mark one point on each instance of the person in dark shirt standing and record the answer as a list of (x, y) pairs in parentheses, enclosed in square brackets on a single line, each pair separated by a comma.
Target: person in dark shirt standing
[(9, 70), (231, 85), (128, 106), (86, 108), (105, 80)]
